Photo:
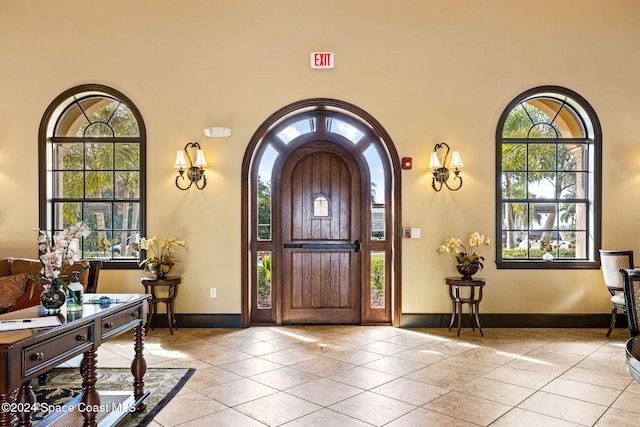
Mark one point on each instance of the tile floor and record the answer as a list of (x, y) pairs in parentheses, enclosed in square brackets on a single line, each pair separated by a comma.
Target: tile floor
[(381, 376)]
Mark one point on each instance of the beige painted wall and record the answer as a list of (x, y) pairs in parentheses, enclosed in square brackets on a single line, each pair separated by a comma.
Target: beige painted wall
[(429, 71)]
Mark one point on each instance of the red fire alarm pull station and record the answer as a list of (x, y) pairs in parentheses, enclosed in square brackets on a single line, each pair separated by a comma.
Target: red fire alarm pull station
[(407, 162)]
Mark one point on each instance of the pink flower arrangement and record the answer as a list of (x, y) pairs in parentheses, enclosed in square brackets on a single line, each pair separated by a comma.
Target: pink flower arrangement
[(55, 252)]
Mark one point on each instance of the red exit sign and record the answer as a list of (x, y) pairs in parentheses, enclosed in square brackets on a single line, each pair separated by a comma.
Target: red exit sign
[(322, 59)]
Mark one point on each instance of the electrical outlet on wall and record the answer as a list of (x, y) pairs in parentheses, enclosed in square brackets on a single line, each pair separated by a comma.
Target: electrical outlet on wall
[(212, 292)]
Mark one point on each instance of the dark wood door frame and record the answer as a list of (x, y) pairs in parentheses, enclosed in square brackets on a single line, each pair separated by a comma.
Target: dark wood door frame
[(390, 158)]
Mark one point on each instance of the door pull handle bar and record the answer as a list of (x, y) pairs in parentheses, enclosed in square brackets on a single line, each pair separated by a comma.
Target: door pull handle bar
[(355, 246)]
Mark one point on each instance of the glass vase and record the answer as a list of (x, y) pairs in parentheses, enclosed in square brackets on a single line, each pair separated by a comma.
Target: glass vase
[(52, 299)]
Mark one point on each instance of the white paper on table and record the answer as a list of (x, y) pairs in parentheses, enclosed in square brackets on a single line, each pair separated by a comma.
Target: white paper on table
[(34, 322)]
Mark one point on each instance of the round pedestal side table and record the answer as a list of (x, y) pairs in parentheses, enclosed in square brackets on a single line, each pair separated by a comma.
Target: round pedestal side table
[(457, 288), (151, 286)]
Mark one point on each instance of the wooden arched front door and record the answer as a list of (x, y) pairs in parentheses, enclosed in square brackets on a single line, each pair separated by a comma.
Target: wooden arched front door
[(321, 218), (321, 232)]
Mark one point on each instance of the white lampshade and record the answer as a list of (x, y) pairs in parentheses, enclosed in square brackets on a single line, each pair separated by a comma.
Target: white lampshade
[(201, 162), (434, 162), (180, 161), (456, 161)]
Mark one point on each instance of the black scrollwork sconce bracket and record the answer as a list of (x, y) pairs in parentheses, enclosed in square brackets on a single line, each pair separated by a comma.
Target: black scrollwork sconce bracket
[(195, 171), (441, 173)]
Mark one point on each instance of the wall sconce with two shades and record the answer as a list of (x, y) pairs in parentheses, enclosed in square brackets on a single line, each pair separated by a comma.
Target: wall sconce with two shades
[(195, 171), (440, 172)]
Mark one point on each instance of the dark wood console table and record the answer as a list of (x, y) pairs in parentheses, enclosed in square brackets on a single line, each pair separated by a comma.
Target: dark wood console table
[(27, 353)]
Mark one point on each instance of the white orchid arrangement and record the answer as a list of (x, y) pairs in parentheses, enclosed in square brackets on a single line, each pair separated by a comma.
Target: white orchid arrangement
[(160, 252), (63, 248), (465, 255)]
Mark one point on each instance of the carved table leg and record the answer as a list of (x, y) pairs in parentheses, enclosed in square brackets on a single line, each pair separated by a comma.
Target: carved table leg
[(27, 398), (6, 404), (83, 367), (90, 397), (139, 366)]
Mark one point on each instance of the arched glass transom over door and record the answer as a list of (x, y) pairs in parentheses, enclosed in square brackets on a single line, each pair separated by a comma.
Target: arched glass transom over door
[(321, 218)]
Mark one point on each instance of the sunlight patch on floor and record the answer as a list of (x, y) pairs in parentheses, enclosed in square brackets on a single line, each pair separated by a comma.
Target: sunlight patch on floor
[(422, 334), (157, 350), (467, 344), (292, 335), (526, 359)]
